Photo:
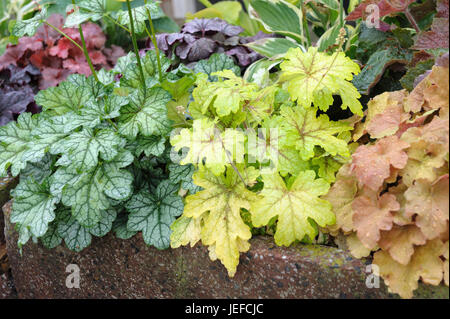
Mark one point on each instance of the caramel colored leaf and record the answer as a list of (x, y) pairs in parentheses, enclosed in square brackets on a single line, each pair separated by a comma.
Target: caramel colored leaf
[(372, 215)]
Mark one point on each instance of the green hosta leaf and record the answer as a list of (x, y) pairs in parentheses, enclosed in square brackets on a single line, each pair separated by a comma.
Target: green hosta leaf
[(33, 206), (272, 47), (86, 197), (87, 10), (278, 16), (377, 64), (29, 27), (259, 72), (69, 95), (313, 77), (216, 62), (154, 213), (303, 130), (14, 139), (294, 205), (146, 114), (140, 16)]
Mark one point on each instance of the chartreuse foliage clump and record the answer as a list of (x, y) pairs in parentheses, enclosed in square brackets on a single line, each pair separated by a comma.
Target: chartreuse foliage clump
[(393, 197), (264, 151)]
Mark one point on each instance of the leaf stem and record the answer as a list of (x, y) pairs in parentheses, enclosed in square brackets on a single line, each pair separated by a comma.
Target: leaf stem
[(154, 41), (64, 35), (117, 23), (411, 20), (136, 49), (85, 50)]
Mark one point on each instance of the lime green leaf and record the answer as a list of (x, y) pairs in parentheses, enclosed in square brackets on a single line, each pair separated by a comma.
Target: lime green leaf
[(313, 77), (185, 231), (33, 206), (303, 130), (223, 228), (146, 113), (154, 213), (293, 206), (279, 17), (205, 141)]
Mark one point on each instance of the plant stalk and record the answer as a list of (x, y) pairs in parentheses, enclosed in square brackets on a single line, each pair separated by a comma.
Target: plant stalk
[(85, 50), (411, 20), (136, 49), (154, 41)]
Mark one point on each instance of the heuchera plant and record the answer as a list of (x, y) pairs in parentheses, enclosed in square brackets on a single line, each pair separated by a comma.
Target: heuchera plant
[(56, 56), (273, 174), (97, 157), (200, 38), (393, 197), (17, 89)]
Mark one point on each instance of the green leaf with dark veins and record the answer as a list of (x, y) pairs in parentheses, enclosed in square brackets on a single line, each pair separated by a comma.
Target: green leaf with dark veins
[(154, 213), (33, 206), (29, 27), (146, 114), (216, 62)]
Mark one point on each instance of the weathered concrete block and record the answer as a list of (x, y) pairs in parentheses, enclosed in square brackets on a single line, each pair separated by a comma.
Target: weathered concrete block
[(6, 184), (114, 268)]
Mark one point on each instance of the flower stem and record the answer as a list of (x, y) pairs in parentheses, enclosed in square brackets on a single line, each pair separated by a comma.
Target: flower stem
[(117, 23), (85, 50), (136, 49), (154, 41), (206, 3)]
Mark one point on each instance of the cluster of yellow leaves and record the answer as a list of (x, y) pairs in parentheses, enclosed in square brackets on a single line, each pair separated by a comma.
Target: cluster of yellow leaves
[(393, 198)]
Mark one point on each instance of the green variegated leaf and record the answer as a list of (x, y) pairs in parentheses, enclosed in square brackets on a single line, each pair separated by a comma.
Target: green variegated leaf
[(120, 227), (150, 145), (33, 206), (116, 182), (154, 213), (140, 16), (69, 95), (86, 197), (84, 11), (183, 174), (278, 16), (146, 114), (76, 236), (29, 27), (39, 171), (14, 139), (105, 224), (51, 239), (131, 73), (216, 62)]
